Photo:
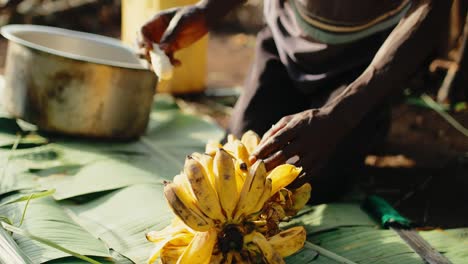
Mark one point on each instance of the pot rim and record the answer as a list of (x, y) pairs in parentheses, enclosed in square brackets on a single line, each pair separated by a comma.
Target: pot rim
[(9, 31)]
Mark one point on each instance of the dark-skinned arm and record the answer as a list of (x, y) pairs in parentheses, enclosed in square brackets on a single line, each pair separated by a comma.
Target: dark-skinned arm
[(313, 134), (399, 58), (180, 27)]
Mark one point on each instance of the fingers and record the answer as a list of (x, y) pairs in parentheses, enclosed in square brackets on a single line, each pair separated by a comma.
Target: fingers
[(283, 155), (283, 122), (275, 143), (186, 27), (272, 131), (153, 30), (173, 60)]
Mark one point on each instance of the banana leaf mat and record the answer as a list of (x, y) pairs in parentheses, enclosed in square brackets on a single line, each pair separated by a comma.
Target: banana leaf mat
[(66, 200)]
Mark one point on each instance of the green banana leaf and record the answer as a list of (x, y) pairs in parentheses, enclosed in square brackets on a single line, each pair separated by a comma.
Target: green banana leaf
[(370, 245), (330, 216), (122, 218), (45, 218), (10, 251)]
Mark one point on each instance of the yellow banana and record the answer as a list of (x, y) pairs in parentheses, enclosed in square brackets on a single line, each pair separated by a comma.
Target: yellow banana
[(176, 240), (252, 190), (200, 249), (220, 190), (180, 240), (198, 156), (231, 138), (241, 173), (250, 140), (230, 147), (170, 255), (278, 212), (301, 196), (157, 236), (207, 162), (185, 193), (157, 250), (269, 254), (225, 181), (185, 209), (216, 258), (264, 197), (205, 194), (282, 176), (289, 241), (241, 152), (183, 188), (212, 146)]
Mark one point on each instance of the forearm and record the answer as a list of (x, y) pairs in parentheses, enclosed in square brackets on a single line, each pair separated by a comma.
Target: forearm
[(404, 51), (217, 9)]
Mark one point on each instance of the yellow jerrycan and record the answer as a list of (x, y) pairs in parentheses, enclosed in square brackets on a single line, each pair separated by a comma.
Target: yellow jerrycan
[(190, 77)]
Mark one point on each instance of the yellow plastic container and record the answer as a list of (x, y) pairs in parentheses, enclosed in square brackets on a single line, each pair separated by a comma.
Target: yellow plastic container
[(190, 77)]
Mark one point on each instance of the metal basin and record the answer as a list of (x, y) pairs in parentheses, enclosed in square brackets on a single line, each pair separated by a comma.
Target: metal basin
[(76, 83)]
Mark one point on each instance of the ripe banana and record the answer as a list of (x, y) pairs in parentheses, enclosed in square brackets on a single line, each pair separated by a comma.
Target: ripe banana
[(301, 196), (264, 197), (225, 181), (282, 176), (186, 210), (212, 146), (228, 210), (289, 241), (171, 255), (231, 138), (157, 236), (242, 153), (252, 190), (180, 240), (176, 240), (207, 162), (241, 173), (269, 254), (217, 258), (250, 140), (205, 195), (184, 189), (158, 250), (200, 249)]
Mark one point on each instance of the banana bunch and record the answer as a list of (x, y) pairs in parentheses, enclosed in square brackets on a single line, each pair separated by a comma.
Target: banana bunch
[(228, 210)]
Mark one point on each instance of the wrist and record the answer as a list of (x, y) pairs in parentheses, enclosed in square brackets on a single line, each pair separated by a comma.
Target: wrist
[(342, 113)]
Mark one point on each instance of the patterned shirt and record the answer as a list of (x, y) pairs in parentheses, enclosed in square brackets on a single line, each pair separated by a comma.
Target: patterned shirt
[(341, 21)]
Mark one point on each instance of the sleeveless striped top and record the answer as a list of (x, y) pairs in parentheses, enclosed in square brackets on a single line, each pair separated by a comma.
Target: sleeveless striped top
[(344, 21)]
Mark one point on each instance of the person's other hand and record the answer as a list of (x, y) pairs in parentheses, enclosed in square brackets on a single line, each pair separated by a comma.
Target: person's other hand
[(173, 29), (309, 137)]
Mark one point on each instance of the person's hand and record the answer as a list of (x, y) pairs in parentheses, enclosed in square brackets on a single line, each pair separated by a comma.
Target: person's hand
[(173, 29), (305, 139)]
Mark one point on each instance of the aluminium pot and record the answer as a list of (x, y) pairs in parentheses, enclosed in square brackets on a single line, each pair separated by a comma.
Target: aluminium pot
[(76, 83)]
